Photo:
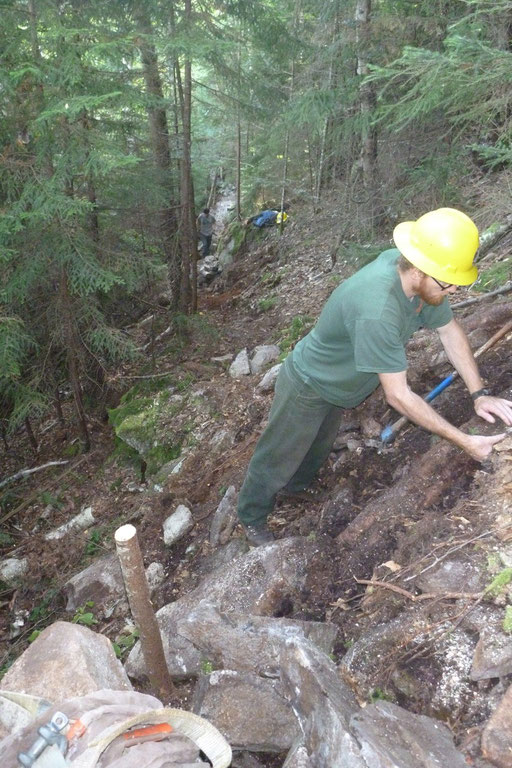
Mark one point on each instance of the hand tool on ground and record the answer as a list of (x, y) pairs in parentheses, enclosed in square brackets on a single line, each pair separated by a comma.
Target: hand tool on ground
[(389, 432)]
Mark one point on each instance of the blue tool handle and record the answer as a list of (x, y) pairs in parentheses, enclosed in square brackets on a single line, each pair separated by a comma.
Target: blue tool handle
[(437, 390), (389, 431)]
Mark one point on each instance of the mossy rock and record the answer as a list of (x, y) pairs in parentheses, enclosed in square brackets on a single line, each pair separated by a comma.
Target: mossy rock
[(142, 423)]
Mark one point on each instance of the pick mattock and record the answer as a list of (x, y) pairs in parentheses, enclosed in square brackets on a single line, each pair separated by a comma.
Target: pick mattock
[(389, 432)]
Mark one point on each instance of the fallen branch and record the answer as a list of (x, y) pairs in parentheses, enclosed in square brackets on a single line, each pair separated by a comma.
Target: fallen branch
[(25, 472), (490, 240), (455, 549), (53, 481), (477, 299), (146, 376), (424, 595)]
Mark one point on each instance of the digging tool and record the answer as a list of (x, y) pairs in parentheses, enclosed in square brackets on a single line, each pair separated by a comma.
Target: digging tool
[(389, 432)]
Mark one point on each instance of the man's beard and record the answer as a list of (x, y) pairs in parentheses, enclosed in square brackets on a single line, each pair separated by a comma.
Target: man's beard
[(429, 294)]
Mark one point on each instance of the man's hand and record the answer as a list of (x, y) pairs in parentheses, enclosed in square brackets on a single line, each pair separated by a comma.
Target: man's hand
[(399, 396), (488, 407), (480, 447)]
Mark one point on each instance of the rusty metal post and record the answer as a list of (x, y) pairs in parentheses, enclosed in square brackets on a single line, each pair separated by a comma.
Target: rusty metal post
[(137, 589)]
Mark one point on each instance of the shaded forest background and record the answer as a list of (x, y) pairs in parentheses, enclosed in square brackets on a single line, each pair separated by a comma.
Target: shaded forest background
[(119, 118)]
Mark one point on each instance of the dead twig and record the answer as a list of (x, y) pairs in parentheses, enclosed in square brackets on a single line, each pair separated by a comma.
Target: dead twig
[(424, 595), (456, 549)]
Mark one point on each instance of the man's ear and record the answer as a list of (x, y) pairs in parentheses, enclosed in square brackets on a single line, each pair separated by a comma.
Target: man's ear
[(417, 275)]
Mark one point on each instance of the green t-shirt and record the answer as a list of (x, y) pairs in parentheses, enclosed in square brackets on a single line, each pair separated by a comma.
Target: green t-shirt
[(362, 331)]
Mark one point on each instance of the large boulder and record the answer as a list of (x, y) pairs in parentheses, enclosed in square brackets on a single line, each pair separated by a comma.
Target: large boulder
[(497, 736), (102, 584), (155, 426), (324, 706), (66, 660), (249, 710), (260, 583), (391, 736)]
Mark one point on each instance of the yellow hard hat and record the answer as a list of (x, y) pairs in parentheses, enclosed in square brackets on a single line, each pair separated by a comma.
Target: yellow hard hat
[(442, 244)]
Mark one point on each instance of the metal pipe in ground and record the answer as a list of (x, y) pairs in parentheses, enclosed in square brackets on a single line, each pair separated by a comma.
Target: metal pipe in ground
[(137, 590)]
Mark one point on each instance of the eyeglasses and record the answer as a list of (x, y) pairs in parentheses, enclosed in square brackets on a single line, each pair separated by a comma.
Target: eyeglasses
[(442, 287)]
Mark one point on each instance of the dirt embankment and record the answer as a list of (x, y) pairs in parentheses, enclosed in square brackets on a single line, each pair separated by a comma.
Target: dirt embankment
[(389, 513)]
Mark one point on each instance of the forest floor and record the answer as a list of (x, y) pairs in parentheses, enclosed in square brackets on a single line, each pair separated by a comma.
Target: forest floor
[(272, 293)]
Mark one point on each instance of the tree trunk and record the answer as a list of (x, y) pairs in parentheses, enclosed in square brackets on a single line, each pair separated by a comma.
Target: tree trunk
[(71, 346), (323, 143), (188, 234), (159, 136), (58, 407), (30, 434), (367, 101), (238, 209)]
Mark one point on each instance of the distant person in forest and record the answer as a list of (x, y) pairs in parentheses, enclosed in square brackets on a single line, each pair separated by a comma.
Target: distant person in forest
[(358, 343), (268, 218), (205, 223)]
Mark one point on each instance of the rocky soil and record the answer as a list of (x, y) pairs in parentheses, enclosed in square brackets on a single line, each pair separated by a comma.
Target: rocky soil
[(406, 549)]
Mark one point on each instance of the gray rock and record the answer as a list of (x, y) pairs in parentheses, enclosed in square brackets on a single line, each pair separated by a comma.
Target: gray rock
[(268, 381), (177, 525), (240, 365), (344, 438), (368, 654), (245, 760), (497, 735), (493, 654), (323, 704), (13, 569), (262, 356), (13, 717), (249, 711), (225, 518), (155, 574), (101, 583), (249, 643), (66, 660), (456, 575), (228, 641), (505, 556), (453, 688), (391, 737), (170, 468), (298, 756), (222, 557), (256, 583), (221, 441), (226, 255)]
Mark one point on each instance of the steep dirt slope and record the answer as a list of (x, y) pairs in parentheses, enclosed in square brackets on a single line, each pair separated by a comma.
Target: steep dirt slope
[(425, 502)]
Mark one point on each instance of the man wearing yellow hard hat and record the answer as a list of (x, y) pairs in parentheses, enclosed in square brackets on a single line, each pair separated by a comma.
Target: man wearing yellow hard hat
[(358, 343)]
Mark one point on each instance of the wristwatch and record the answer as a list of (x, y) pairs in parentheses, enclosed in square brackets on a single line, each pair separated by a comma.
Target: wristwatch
[(480, 393)]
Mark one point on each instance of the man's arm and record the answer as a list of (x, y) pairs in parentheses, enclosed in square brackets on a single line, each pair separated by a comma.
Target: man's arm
[(458, 350), (405, 401)]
